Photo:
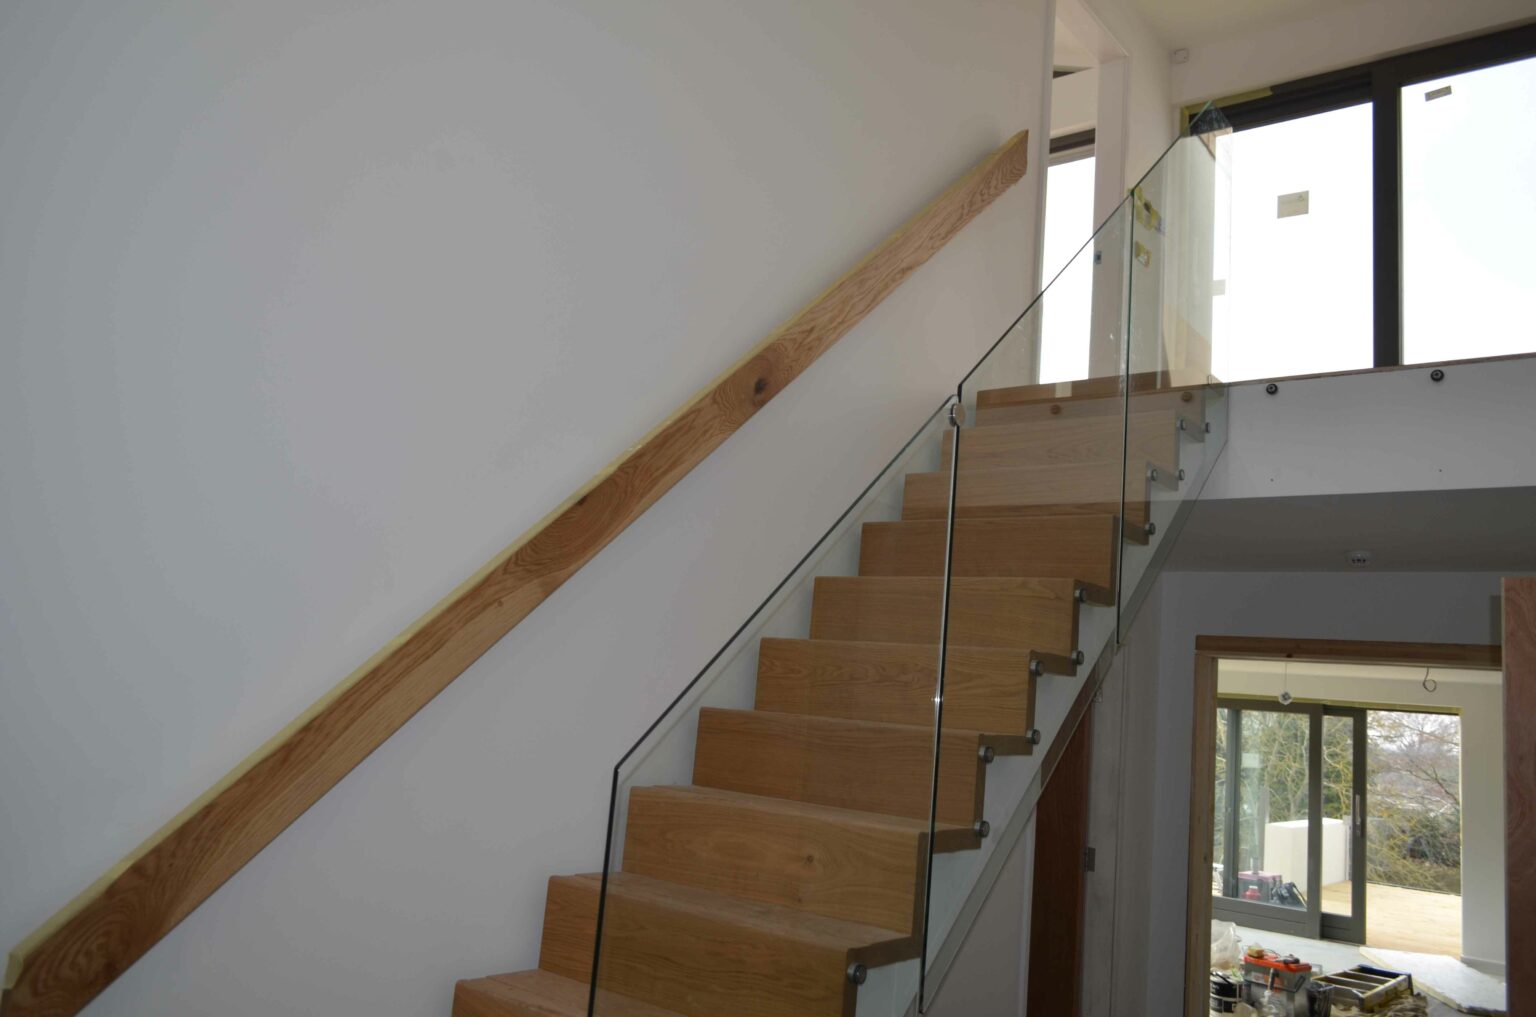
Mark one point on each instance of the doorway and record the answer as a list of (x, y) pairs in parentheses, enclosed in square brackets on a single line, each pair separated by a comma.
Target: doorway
[(1290, 843), (1348, 804)]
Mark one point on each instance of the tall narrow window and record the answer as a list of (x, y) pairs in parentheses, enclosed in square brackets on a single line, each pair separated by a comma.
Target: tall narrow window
[(1469, 214), (1064, 329), (1297, 293)]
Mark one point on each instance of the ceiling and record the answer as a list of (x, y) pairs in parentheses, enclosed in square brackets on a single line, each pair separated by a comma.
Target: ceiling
[(1189, 22), (1280, 670), (1072, 54), (1485, 530)]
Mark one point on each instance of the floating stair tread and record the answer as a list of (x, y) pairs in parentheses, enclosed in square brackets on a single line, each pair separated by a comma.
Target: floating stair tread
[(1027, 614), (1065, 547), (858, 866), (792, 807), (997, 406), (770, 920), (1072, 489), (1066, 440), (861, 765), (986, 688), (539, 993)]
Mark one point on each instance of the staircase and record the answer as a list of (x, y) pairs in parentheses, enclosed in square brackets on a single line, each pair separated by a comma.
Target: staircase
[(795, 862), (811, 827)]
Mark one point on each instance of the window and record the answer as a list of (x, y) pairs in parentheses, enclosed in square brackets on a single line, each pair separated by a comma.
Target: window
[(1469, 214), (1297, 297), (1381, 215), (1064, 318)]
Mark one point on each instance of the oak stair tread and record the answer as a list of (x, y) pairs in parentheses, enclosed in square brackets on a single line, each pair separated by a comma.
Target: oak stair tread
[(986, 688), (1050, 547), (858, 866), (539, 993), (773, 919), (1027, 491), (1055, 441), (862, 765), (1018, 613), (791, 806)]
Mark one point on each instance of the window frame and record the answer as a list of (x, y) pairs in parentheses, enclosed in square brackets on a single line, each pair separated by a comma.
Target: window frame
[(1379, 83)]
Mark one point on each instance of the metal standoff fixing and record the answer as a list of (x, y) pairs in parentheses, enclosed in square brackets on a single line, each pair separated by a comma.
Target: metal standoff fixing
[(1151, 529), (857, 973), (957, 414), (1437, 375), (1207, 427), (982, 828), (1080, 595), (1271, 388), (1078, 656), (1033, 737), (987, 753), (1181, 473), (1183, 424), (1036, 668), (1152, 473)]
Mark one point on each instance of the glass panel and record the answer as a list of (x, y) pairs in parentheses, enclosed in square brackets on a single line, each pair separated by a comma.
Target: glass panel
[(1176, 421), (803, 751), (1272, 845), (1298, 290), (1338, 813), (1064, 321), (1468, 214), (1413, 833), (1032, 569), (1219, 797)]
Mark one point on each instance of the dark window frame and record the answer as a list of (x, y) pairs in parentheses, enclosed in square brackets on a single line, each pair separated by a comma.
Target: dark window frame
[(1381, 83)]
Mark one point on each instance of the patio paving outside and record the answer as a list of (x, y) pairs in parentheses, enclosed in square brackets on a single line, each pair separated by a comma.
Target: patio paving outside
[(1397, 918)]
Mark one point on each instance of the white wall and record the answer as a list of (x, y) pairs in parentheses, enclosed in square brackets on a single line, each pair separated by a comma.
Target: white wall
[(990, 974), (1136, 116), (1400, 607), (1478, 698), (1381, 431), (1342, 36), (1074, 102), (314, 307)]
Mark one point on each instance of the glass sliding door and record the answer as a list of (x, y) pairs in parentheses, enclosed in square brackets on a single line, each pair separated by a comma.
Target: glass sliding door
[(1267, 874), (1343, 820), (1289, 844)]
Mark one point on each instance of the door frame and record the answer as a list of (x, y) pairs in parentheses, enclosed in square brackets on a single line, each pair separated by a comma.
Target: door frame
[(1210, 649)]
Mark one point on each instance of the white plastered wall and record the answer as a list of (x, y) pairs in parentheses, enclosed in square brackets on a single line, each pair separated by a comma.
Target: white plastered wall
[(314, 307)]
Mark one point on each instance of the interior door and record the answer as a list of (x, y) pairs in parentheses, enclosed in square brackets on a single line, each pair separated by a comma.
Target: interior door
[(1269, 789), (1343, 816)]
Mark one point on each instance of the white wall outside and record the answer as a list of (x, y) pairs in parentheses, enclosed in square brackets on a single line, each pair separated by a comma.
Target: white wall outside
[(316, 307)]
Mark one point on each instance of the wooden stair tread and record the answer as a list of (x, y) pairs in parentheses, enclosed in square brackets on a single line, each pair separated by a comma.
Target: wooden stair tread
[(858, 866), (860, 765), (1049, 441), (716, 908), (1065, 547), (1084, 488), (1018, 613), (540, 993), (793, 807), (987, 688)]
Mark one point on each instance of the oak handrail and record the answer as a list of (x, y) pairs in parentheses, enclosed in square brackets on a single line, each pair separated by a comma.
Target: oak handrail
[(78, 952)]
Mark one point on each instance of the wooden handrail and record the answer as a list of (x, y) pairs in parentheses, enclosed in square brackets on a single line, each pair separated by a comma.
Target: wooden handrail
[(79, 952)]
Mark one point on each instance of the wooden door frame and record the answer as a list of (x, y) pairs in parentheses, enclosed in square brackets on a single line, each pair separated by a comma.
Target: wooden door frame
[(1210, 649)]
